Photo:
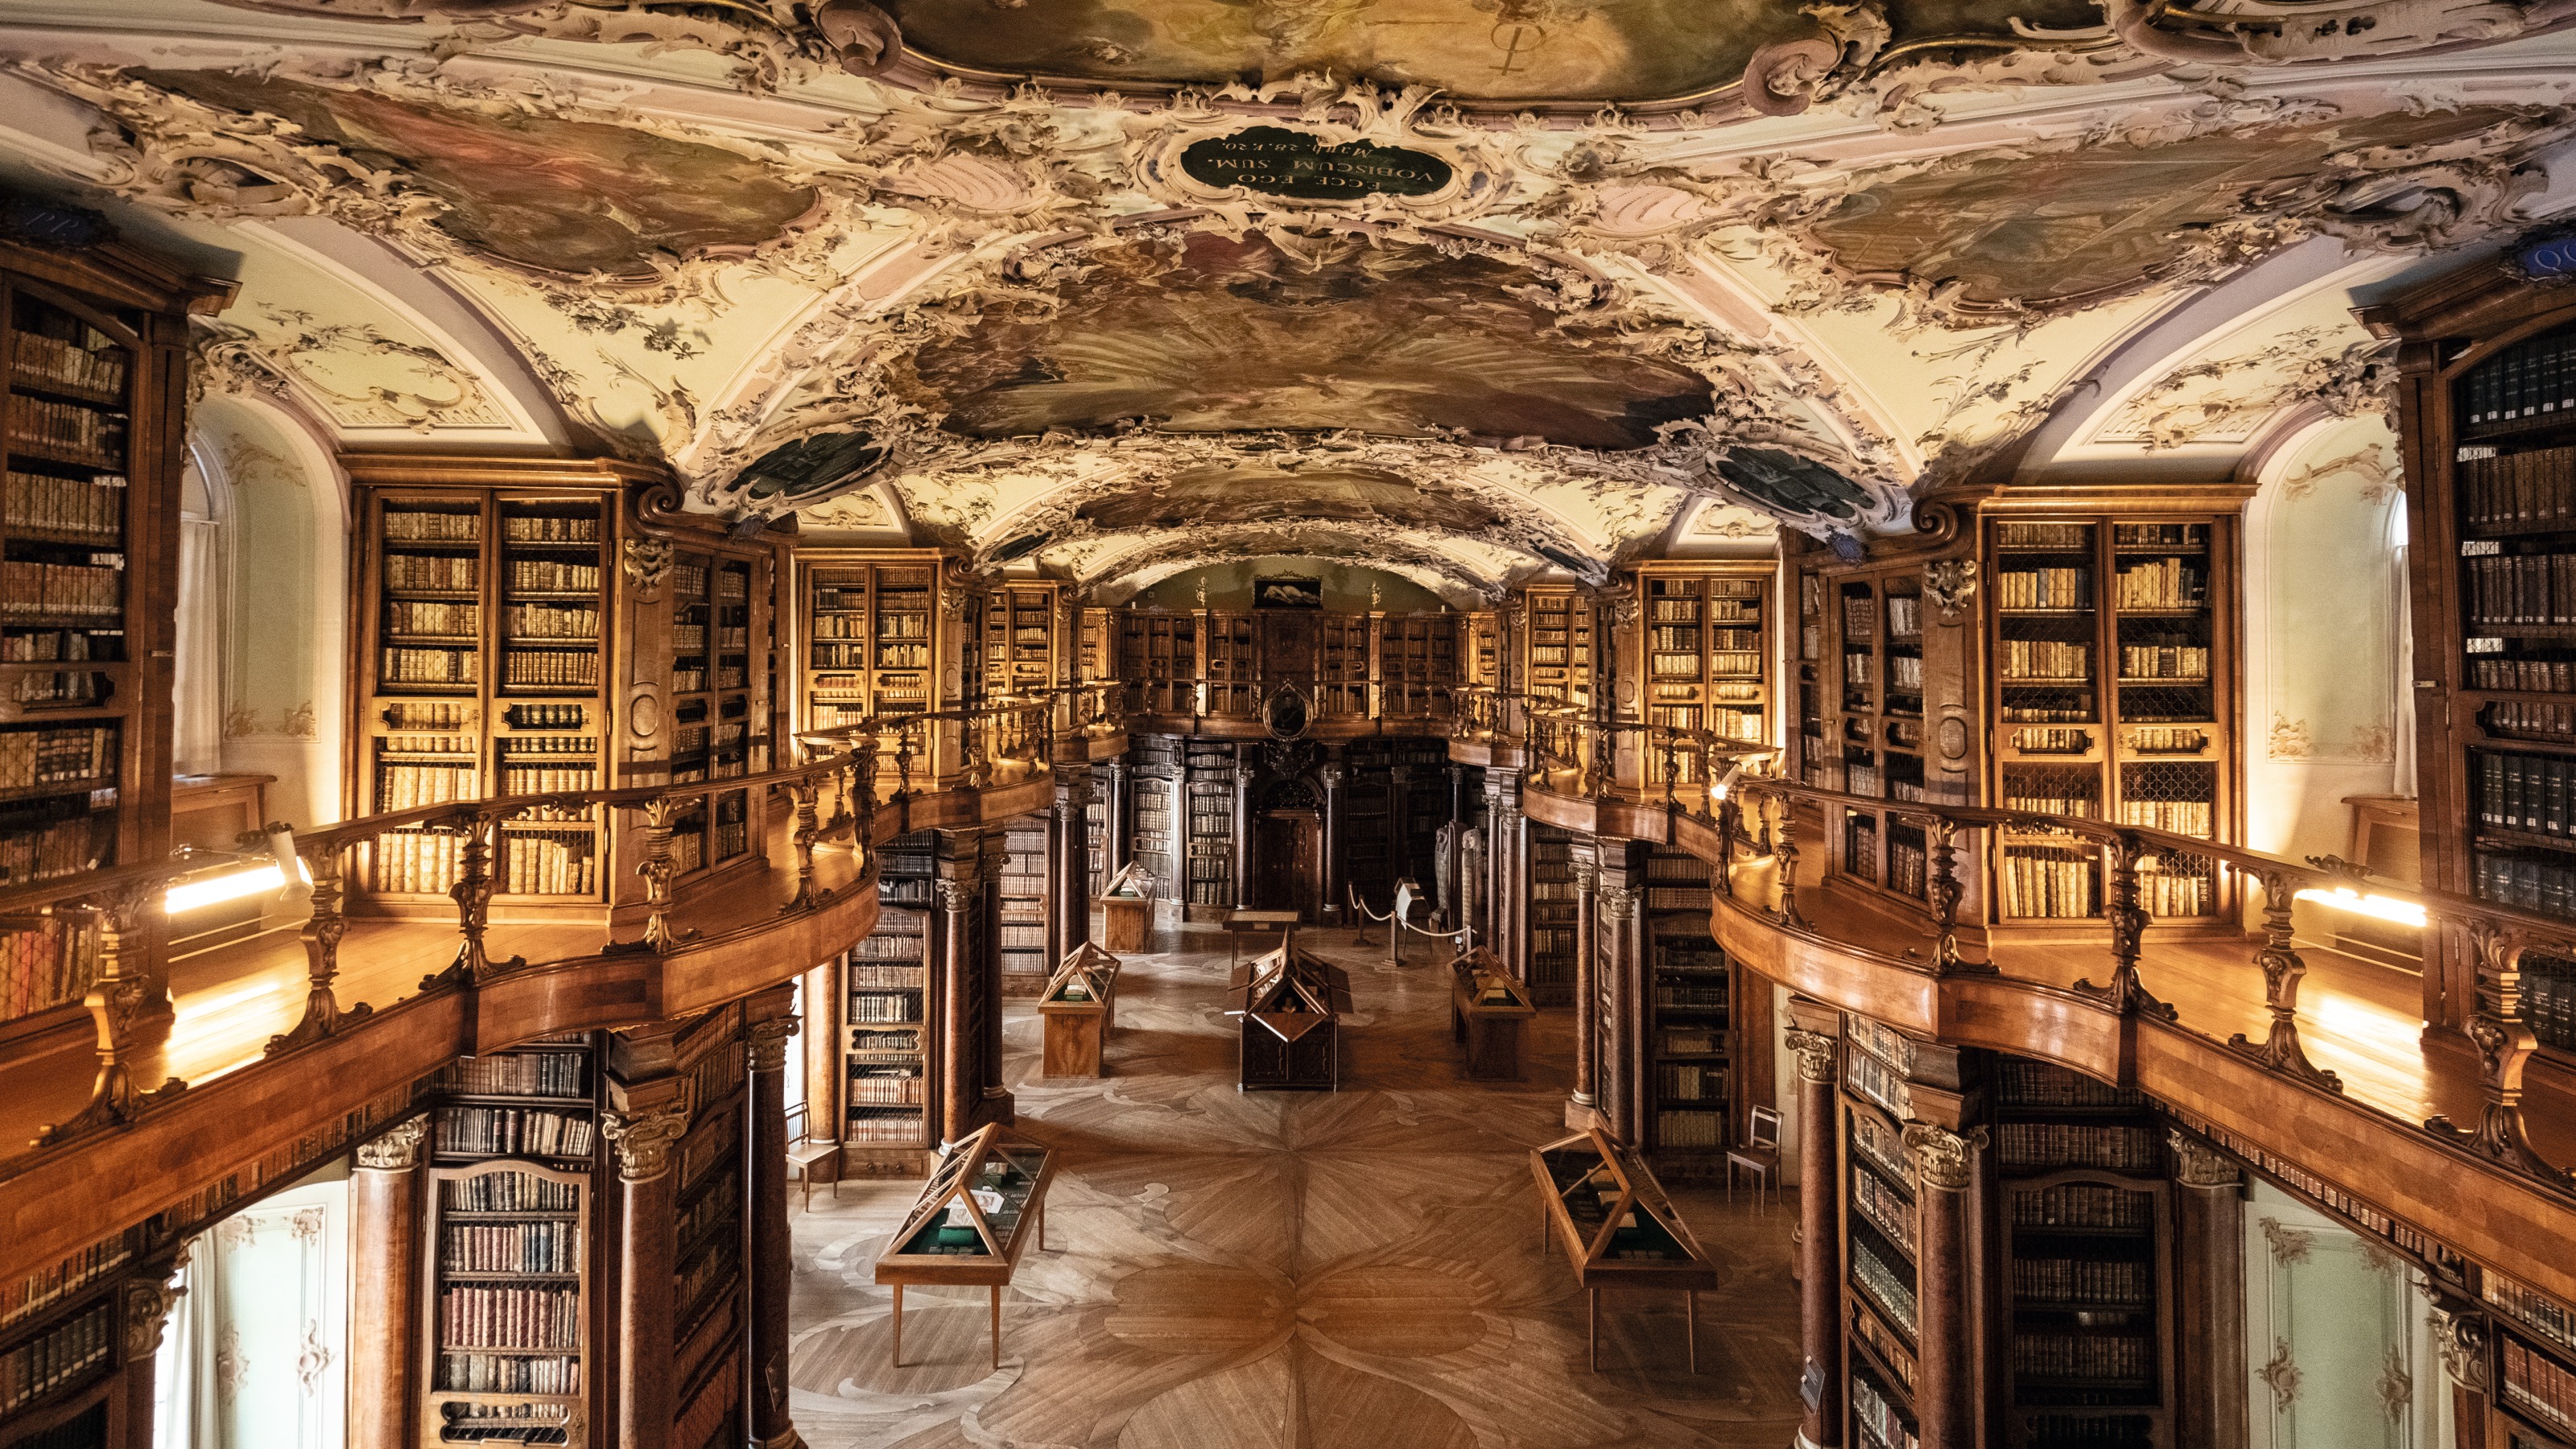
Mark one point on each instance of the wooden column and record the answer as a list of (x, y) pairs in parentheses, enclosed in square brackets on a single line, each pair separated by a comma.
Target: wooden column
[(961, 1082), (1333, 775), (1120, 835), (992, 847), (2209, 1242), (772, 1265), (1504, 831), (1059, 910), (1399, 819), (652, 1116), (1586, 858), (1614, 1093), (1457, 846), (1243, 852), (1821, 1383), (1945, 1167), (384, 1286), (1075, 794)]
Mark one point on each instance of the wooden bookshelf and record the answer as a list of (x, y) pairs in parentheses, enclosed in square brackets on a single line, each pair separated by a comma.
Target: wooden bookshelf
[(1418, 664), (1230, 658), (1881, 1278), (62, 1349), (1209, 826), (2089, 1321), (1862, 719), (2113, 637), (1023, 908), (1709, 639), (871, 635), (710, 1303), (2487, 414), (1155, 779), (1552, 914), (1158, 659), (1345, 663), (507, 1330), (1022, 654), (2533, 1367), (1483, 651), (92, 414), (1557, 657), (1690, 1041), (886, 1056), (1368, 823)]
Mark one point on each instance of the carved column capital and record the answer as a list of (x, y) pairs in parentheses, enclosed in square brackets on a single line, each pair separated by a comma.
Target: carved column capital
[(1332, 776), (148, 1302), (643, 1139), (2461, 1336), (1244, 775), (955, 895), (1587, 876), (1618, 903), (2197, 1164), (397, 1148), (765, 1045), (1818, 1055), (1944, 1161)]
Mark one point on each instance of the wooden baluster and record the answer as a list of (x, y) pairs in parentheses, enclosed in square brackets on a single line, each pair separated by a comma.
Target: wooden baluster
[(659, 870), (1946, 891), (321, 935), (2505, 1045), (805, 790), (2128, 921), (114, 1000), (1784, 848), (903, 760), (841, 783), (862, 770), (1730, 822), (473, 896), (2282, 970)]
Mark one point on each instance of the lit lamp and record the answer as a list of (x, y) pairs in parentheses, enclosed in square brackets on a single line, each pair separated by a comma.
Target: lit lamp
[(259, 867)]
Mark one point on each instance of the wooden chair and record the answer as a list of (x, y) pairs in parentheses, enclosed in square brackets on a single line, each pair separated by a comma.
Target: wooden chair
[(805, 1154), (1760, 1155)]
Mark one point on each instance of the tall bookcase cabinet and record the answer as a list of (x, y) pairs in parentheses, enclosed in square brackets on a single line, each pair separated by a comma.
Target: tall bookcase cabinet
[(874, 637), (92, 409), (1708, 641), (2487, 417), (531, 625), (1022, 651)]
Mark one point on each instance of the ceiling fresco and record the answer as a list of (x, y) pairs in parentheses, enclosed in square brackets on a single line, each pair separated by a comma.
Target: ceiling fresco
[(1468, 288), (1220, 334), (553, 195), (2038, 228)]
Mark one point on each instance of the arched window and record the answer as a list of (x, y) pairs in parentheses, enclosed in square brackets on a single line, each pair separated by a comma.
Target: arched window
[(197, 686)]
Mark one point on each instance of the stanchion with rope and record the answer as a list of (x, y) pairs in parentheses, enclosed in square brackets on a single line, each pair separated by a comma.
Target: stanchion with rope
[(1398, 921)]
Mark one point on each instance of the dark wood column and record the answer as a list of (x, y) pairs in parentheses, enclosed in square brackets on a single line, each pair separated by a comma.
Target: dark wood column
[(1820, 1260), (1333, 775), (1059, 911), (1581, 1112), (1614, 1094), (772, 1264), (1505, 831), (384, 1285), (1457, 907), (1399, 820), (651, 1116), (1119, 838), (1945, 1167), (1073, 796), (1244, 862), (961, 1083), (2209, 1252), (983, 852)]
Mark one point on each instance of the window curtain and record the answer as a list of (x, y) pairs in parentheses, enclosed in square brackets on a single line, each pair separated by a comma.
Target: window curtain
[(2403, 775), (198, 688)]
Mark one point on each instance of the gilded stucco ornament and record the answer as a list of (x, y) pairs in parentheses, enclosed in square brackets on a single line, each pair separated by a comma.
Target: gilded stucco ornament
[(2284, 32), (351, 373)]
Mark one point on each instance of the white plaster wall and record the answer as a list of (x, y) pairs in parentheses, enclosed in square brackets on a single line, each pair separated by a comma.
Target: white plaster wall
[(2339, 1347), (2324, 595)]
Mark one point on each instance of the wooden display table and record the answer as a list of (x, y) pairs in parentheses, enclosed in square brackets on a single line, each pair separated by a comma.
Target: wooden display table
[(1489, 1012), (1079, 1006), (982, 1205), (1619, 1230), (1238, 924), (1290, 1005), (1127, 909)]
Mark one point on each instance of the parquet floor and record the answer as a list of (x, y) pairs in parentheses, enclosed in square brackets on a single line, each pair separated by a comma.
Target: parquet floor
[(1355, 1270)]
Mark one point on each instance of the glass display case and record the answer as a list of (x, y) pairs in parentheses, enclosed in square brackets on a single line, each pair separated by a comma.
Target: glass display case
[(1078, 1007), (984, 1203), (1600, 1201)]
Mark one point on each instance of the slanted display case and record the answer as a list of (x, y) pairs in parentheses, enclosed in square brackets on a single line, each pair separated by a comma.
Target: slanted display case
[(1290, 1005), (1126, 904), (1600, 1202), (1489, 1014), (984, 1204), (1079, 1006)]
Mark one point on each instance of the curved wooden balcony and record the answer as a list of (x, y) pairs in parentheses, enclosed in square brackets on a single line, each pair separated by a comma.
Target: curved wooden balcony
[(271, 1054), (2315, 1066)]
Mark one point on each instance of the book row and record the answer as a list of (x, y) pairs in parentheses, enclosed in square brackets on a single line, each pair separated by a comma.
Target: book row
[(2049, 588), (2529, 588), (534, 1318), (530, 1247), (410, 863), (1891, 1290), (2021, 1083), (424, 525), (904, 1130), (2524, 381), (523, 1074), (889, 1008), (546, 576), (1690, 1129), (431, 572), (1689, 1082), (67, 428), (26, 1297), (2167, 583), (2510, 490), (1693, 1043), (550, 528), (49, 852), (2070, 536), (1887, 1209), (1691, 998), (2046, 659), (2530, 793), (2083, 1280), (2083, 1205), (89, 508), (550, 669), (430, 666), (2067, 1356), (869, 1089), (2181, 817), (47, 646), (2064, 1144), (31, 757), (2048, 887), (2531, 721), (2545, 1316), (1877, 1417), (54, 590), (544, 865), (2549, 1007), (552, 621), (41, 1365), (401, 787), (1879, 1082), (95, 363), (512, 1132), (907, 978), (2164, 661), (492, 1373), (508, 1192)]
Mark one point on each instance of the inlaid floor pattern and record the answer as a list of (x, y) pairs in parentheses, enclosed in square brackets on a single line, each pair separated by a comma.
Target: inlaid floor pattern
[(1229, 1270)]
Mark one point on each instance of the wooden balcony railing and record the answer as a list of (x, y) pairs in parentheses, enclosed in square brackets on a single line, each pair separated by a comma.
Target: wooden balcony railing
[(1719, 798)]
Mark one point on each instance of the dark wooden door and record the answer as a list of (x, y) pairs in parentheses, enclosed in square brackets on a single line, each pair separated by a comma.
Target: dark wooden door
[(1289, 854)]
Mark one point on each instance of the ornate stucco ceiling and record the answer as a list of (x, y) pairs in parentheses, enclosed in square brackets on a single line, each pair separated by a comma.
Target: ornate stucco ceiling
[(1554, 282)]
